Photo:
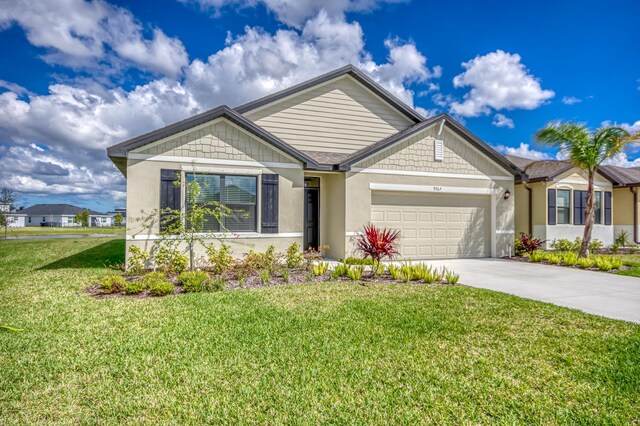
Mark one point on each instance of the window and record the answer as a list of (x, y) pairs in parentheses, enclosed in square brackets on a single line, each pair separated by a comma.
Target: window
[(29, 219), (563, 206), (237, 193), (579, 207), (597, 218)]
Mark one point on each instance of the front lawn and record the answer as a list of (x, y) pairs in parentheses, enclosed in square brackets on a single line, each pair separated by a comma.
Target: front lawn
[(304, 353), (632, 261), (62, 230)]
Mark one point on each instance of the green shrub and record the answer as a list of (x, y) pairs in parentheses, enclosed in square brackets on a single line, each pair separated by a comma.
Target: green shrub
[(133, 287), (614, 247), (554, 259), (616, 263), (570, 258), (170, 260), (440, 273), (193, 281), (160, 288), (394, 271), (220, 259), (430, 276), (112, 283), (217, 284), (253, 262), (537, 257), (340, 270), (622, 240), (566, 245), (265, 277), (585, 262), (355, 272), (451, 277), (136, 264), (294, 257), (320, 268), (358, 261), (595, 245), (285, 275), (603, 263)]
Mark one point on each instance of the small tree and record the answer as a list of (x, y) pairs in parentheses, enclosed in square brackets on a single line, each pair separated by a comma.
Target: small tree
[(82, 218), (117, 219), (7, 199), (378, 243)]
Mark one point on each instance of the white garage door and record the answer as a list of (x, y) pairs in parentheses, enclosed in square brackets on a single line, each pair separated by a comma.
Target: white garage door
[(435, 225)]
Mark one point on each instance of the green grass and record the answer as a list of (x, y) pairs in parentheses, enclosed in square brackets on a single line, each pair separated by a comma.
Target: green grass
[(631, 260), (67, 230), (332, 353)]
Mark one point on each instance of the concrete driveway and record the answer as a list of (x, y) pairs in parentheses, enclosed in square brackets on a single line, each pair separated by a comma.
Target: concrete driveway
[(608, 295)]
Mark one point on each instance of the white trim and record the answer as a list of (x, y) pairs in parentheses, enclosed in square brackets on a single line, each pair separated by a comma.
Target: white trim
[(432, 188), (218, 170), (195, 160), (494, 240), (430, 174), (505, 232), (585, 182), (223, 236)]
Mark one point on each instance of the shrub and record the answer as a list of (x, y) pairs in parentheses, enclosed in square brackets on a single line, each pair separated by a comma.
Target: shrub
[(451, 277), (253, 262), (160, 288), (570, 258), (340, 270), (217, 284), (595, 245), (133, 287), (537, 257), (358, 261), (585, 262), (614, 247), (394, 271), (554, 259), (622, 239), (220, 259), (378, 243), (193, 281), (566, 245), (603, 263), (616, 263), (112, 283), (526, 244), (265, 277), (170, 260), (429, 276), (285, 275), (152, 277), (355, 272), (320, 268), (137, 260), (294, 257)]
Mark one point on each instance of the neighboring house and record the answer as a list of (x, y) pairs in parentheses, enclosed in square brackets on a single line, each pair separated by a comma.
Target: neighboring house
[(551, 201), (117, 210), (15, 219), (625, 200), (314, 163), (62, 215)]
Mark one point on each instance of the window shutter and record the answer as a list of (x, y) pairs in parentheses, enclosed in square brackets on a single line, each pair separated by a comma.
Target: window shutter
[(170, 196), (607, 208), (551, 203), (269, 204)]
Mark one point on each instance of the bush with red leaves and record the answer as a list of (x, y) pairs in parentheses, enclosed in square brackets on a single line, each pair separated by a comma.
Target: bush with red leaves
[(526, 244), (378, 243)]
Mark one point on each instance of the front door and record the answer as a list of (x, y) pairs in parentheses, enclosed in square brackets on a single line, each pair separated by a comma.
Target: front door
[(311, 213)]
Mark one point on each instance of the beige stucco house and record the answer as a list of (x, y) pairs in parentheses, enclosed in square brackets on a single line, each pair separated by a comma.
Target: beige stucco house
[(551, 200), (314, 163)]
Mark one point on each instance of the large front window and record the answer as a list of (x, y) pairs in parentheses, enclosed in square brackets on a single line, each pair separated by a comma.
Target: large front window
[(597, 219), (564, 206), (237, 193)]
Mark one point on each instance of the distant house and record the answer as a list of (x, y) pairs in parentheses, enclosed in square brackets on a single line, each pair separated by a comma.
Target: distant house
[(15, 219), (62, 215), (122, 211)]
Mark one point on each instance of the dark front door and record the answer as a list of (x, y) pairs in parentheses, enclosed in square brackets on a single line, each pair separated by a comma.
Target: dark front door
[(311, 217)]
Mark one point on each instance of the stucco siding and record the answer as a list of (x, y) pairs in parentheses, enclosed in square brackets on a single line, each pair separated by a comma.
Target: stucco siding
[(340, 116), (417, 154), (219, 140), (332, 213)]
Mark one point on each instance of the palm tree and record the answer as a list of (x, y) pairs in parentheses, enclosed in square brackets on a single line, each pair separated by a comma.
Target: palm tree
[(587, 150)]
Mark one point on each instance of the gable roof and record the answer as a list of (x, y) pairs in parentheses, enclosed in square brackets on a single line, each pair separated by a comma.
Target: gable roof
[(120, 150), (346, 70), (447, 120), (548, 170), (57, 210), (622, 176)]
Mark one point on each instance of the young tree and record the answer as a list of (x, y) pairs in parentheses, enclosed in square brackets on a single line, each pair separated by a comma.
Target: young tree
[(82, 218), (587, 150), (8, 198), (117, 219)]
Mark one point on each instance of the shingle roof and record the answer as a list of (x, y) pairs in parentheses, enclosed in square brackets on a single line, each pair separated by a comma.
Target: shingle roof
[(327, 158), (56, 210), (623, 176), (540, 170)]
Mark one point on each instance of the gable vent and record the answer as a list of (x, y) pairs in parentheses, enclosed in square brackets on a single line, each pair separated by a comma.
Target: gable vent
[(438, 150)]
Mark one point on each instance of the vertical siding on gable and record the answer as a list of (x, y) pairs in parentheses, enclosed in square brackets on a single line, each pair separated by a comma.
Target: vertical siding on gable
[(340, 116)]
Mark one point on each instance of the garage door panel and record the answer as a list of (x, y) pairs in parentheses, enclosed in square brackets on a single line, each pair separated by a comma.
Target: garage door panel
[(435, 225)]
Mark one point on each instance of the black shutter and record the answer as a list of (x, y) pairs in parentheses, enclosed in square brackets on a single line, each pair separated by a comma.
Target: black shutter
[(607, 208), (170, 196), (269, 204), (551, 204)]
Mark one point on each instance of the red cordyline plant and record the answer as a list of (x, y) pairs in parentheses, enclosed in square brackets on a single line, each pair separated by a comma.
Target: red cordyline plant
[(378, 244)]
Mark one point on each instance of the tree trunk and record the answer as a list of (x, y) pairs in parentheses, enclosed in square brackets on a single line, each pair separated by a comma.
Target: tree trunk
[(589, 217)]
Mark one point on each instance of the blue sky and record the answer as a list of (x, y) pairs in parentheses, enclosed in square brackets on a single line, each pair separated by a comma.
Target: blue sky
[(78, 76)]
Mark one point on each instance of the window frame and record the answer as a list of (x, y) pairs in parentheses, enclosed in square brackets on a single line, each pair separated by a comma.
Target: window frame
[(222, 177), (597, 216), (558, 190)]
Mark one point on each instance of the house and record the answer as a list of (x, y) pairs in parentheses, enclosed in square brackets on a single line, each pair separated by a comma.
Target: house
[(15, 219), (551, 200), (62, 215), (115, 212), (314, 163), (625, 200)]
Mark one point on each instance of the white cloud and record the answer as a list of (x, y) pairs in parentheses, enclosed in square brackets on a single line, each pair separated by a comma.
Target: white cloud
[(84, 34), (571, 100), (632, 128), (296, 12), (498, 80), (524, 150), (501, 120)]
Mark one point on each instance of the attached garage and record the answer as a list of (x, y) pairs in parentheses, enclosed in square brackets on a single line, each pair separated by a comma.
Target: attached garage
[(434, 225)]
